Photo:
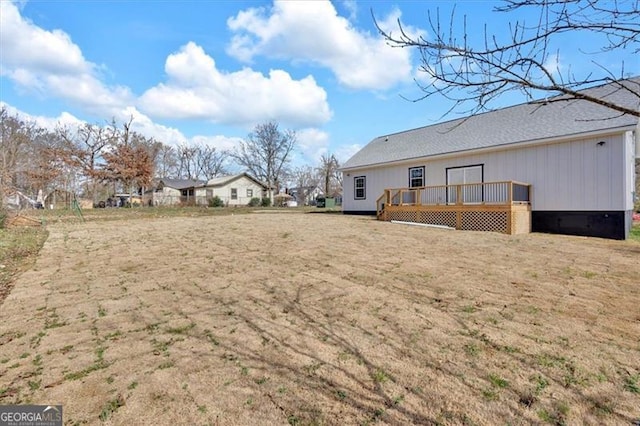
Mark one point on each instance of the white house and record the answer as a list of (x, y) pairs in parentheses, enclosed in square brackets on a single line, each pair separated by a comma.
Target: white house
[(305, 195), (169, 192), (577, 156), (236, 190)]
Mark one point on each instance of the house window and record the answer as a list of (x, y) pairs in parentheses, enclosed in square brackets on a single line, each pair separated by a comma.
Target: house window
[(360, 184), (249, 193), (209, 194), (234, 193), (463, 176), (416, 177)]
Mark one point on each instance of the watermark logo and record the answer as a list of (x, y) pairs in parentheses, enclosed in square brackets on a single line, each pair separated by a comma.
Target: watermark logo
[(30, 415)]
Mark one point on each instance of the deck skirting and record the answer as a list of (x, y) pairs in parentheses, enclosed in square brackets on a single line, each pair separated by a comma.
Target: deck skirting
[(507, 219)]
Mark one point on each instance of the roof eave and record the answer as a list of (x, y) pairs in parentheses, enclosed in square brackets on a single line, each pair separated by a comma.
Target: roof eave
[(512, 145)]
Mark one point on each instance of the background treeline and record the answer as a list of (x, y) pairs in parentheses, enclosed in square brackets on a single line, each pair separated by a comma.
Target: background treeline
[(95, 161)]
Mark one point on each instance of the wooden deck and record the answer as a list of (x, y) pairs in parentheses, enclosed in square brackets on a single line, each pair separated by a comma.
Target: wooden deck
[(489, 206)]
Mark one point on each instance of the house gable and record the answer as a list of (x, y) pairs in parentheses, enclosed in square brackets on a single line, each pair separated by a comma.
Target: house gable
[(232, 190), (226, 180)]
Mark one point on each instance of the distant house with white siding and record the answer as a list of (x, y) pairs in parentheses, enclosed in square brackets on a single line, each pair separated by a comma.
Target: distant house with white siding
[(169, 192), (235, 190), (305, 195), (567, 164)]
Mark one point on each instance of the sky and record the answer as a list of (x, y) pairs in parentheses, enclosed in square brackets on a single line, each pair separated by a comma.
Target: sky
[(204, 71)]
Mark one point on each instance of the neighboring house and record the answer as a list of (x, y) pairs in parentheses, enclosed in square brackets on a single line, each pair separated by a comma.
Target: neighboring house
[(17, 201), (169, 192), (236, 190), (305, 195), (575, 158)]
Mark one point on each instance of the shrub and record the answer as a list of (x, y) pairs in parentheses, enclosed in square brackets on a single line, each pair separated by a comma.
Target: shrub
[(266, 202), (216, 202), (254, 202)]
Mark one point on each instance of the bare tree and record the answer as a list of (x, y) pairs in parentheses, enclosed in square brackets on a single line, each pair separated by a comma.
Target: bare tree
[(476, 71), (304, 179), (47, 168), (328, 170), (265, 153), (16, 141), (83, 148), (210, 162), (166, 162), (200, 161), (187, 166)]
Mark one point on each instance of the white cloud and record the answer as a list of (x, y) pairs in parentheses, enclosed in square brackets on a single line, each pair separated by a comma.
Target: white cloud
[(141, 124), (26, 45), (219, 142), (553, 65), (352, 8), (197, 89), (49, 63), (313, 31), (50, 123), (312, 144), (170, 135), (344, 152)]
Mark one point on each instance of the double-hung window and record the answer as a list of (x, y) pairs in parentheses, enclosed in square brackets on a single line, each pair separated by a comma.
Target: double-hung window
[(416, 177), (359, 187), (234, 193)]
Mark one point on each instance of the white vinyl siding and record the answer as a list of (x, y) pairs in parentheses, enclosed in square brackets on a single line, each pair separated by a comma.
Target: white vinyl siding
[(242, 186), (577, 175)]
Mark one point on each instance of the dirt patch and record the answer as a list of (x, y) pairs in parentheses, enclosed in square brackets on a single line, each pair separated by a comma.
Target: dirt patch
[(323, 319)]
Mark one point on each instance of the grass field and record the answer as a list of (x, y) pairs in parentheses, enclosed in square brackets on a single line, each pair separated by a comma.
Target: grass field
[(288, 318)]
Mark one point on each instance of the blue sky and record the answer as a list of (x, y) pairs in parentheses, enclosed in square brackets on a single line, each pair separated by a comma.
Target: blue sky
[(209, 71)]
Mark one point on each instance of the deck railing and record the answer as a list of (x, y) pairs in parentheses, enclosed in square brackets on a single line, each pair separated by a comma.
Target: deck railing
[(487, 206), (484, 193)]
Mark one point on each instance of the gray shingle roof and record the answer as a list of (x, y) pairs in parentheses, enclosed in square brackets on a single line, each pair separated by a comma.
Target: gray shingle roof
[(521, 123), (180, 183)]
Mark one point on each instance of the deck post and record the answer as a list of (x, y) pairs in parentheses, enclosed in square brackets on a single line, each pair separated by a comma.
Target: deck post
[(510, 193)]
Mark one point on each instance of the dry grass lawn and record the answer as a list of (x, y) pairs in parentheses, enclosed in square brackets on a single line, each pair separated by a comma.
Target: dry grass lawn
[(323, 319)]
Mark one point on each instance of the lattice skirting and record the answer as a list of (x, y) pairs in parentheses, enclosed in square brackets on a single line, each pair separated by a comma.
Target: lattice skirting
[(495, 221), (430, 217), (515, 221)]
